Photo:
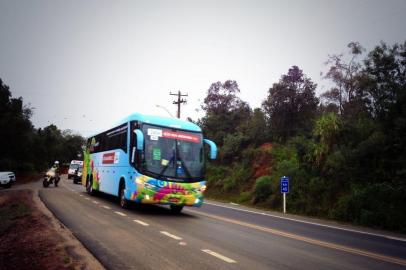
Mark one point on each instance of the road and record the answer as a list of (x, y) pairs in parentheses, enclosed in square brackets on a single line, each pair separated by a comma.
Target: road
[(215, 236)]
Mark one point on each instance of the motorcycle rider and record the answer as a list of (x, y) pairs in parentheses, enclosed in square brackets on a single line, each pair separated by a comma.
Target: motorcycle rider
[(56, 169)]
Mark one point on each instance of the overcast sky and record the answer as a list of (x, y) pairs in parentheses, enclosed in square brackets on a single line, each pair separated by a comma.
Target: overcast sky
[(84, 65)]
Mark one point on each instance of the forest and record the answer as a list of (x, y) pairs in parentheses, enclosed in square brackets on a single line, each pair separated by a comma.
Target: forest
[(26, 149), (344, 150)]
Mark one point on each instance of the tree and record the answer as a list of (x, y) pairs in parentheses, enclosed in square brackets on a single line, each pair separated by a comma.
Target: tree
[(346, 77), (22, 147), (15, 130), (291, 105), (255, 129), (385, 88), (225, 111), (385, 69), (326, 131)]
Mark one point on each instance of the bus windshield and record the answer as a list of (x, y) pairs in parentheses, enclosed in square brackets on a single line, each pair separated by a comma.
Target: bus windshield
[(174, 154)]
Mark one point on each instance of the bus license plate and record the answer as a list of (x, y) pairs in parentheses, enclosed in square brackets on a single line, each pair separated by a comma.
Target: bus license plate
[(174, 199)]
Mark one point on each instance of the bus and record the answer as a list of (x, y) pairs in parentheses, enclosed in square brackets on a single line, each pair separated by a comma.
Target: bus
[(149, 160)]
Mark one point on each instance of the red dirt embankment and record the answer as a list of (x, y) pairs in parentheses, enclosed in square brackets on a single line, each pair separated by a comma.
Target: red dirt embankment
[(29, 239), (262, 163)]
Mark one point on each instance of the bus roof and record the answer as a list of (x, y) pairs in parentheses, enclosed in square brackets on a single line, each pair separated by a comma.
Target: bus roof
[(157, 120)]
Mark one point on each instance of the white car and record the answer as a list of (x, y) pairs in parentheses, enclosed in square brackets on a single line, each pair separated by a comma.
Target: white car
[(74, 165), (77, 177), (7, 179)]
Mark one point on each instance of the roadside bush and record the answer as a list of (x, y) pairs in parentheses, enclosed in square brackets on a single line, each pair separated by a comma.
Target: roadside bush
[(262, 189), (244, 197), (238, 177), (8, 164), (26, 167), (215, 175), (374, 205)]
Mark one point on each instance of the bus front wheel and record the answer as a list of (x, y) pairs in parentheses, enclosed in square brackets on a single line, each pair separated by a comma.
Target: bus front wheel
[(123, 200), (89, 187), (176, 209)]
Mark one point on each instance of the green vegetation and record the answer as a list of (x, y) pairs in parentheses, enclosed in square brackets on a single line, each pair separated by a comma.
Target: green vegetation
[(11, 213), (25, 148), (344, 151)]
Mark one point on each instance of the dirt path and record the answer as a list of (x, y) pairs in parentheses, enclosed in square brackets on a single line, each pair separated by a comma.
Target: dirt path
[(32, 238)]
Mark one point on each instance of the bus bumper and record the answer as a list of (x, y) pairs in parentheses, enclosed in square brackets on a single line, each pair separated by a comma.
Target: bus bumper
[(152, 191)]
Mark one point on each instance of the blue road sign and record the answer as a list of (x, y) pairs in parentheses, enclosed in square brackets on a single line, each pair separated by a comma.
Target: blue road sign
[(284, 184)]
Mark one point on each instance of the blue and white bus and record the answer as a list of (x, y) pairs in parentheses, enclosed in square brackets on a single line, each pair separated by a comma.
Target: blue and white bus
[(148, 159)]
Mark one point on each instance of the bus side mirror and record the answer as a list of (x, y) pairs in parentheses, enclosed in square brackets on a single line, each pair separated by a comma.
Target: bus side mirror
[(213, 149), (140, 139)]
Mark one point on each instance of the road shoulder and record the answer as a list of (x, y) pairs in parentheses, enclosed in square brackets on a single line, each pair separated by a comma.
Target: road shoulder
[(34, 236)]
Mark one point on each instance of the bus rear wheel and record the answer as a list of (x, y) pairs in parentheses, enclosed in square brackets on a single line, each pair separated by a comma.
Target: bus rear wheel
[(176, 209)]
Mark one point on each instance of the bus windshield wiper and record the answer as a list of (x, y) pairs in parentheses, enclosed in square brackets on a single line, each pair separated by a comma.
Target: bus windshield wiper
[(182, 163), (165, 167)]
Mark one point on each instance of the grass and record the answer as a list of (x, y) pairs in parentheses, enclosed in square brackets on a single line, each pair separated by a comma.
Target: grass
[(11, 213)]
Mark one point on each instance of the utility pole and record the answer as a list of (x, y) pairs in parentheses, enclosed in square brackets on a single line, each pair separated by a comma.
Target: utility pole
[(179, 101)]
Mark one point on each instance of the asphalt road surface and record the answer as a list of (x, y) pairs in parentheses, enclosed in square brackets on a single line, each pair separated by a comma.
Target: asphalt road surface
[(215, 236)]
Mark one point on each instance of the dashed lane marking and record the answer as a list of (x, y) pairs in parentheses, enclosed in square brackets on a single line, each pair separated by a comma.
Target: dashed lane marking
[(95, 202), (171, 235), (106, 207), (120, 213), (141, 222), (219, 256)]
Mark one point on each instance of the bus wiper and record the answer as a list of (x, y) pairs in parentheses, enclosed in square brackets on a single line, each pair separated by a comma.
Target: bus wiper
[(185, 168), (182, 163), (165, 167)]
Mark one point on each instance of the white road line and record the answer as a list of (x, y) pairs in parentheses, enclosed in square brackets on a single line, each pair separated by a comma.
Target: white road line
[(121, 214), (234, 203), (87, 198), (311, 223), (95, 202), (80, 195), (141, 222), (219, 256), (105, 206), (171, 235)]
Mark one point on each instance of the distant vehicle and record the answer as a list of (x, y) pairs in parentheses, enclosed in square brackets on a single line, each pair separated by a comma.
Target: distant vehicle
[(7, 179), (77, 177), (148, 159), (74, 164)]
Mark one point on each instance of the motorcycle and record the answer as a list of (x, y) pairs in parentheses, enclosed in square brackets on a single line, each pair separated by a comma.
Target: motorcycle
[(51, 177)]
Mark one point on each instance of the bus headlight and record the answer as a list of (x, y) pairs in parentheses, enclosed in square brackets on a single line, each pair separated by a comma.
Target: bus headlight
[(139, 181), (199, 189)]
